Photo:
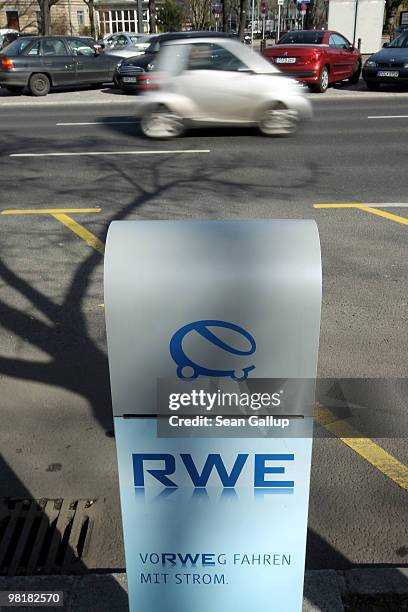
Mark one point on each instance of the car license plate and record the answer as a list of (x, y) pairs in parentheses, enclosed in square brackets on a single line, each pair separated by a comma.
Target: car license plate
[(388, 73), (285, 60), (129, 79)]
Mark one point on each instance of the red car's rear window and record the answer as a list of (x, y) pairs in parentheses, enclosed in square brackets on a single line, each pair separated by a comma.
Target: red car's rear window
[(302, 37)]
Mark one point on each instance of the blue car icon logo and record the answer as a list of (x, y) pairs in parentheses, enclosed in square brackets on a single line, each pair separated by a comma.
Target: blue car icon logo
[(188, 369)]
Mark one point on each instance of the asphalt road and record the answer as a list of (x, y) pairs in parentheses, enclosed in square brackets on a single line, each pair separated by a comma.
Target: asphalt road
[(56, 437)]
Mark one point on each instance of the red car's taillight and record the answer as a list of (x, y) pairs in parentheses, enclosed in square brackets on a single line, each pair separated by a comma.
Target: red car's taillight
[(147, 82), (316, 55), (7, 63)]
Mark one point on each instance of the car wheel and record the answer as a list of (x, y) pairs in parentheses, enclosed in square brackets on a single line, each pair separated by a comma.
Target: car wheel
[(354, 79), (322, 85), (373, 85), (162, 123), (39, 84), (278, 120), (15, 89)]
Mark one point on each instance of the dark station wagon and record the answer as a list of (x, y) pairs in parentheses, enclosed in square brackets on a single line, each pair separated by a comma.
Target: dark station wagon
[(42, 62)]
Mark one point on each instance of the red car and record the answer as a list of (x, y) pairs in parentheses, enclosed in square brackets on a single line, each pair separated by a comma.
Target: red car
[(316, 57)]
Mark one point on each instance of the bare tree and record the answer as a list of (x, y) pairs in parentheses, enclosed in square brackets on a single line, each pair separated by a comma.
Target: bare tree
[(317, 15), (91, 12), (27, 12), (243, 8), (152, 16), (199, 14), (391, 9), (45, 15)]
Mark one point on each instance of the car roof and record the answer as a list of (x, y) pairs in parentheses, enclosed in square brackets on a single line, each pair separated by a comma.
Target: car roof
[(192, 34), (188, 40)]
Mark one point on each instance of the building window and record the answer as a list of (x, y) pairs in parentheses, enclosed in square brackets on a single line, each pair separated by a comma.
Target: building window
[(13, 22), (118, 21), (81, 18)]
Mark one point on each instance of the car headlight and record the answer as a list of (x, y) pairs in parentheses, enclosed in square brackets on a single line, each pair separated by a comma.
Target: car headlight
[(406, 65), (370, 64)]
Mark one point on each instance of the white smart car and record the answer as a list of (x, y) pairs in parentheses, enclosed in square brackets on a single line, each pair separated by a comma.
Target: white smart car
[(218, 81)]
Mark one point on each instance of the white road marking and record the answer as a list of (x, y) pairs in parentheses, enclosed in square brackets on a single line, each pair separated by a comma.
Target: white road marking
[(98, 123), (97, 153), (388, 117)]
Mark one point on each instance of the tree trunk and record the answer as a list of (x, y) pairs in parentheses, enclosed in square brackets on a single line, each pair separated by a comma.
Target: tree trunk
[(92, 18), (46, 17), (152, 17), (225, 6), (243, 5)]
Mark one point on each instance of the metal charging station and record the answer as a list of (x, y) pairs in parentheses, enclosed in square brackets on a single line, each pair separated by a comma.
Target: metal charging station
[(212, 522)]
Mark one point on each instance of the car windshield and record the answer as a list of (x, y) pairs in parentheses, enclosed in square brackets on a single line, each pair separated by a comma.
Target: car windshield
[(138, 40), (154, 45), (301, 37), (17, 46), (401, 41)]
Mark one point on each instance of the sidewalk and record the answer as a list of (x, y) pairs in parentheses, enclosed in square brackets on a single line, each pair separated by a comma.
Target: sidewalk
[(113, 96), (355, 590)]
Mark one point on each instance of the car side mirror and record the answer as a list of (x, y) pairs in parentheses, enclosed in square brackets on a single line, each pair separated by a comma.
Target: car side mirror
[(385, 45), (351, 48)]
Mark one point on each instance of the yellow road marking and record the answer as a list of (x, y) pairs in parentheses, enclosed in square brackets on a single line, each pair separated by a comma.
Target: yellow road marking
[(365, 447), (355, 205), (61, 215), (90, 239), (49, 211), (386, 215), (368, 209)]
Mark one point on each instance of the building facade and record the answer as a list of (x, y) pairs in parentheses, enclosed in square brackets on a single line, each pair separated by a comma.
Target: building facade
[(71, 17)]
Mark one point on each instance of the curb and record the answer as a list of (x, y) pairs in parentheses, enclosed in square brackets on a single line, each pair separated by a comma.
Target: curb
[(335, 95), (362, 589)]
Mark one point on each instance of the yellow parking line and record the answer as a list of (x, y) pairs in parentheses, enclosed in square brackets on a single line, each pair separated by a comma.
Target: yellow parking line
[(365, 447), (49, 211), (355, 205), (386, 215), (90, 239), (368, 209), (61, 215)]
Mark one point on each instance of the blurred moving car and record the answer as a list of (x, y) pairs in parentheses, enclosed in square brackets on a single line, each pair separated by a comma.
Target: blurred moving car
[(316, 57), (42, 62), (390, 65), (127, 45), (220, 81), (129, 71)]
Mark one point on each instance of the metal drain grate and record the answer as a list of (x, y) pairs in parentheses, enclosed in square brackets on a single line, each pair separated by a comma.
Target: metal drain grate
[(46, 536)]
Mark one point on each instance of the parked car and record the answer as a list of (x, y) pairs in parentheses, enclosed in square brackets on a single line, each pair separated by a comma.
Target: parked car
[(400, 30), (8, 36), (316, 57), (220, 81), (126, 44), (42, 62), (128, 73), (390, 65)]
